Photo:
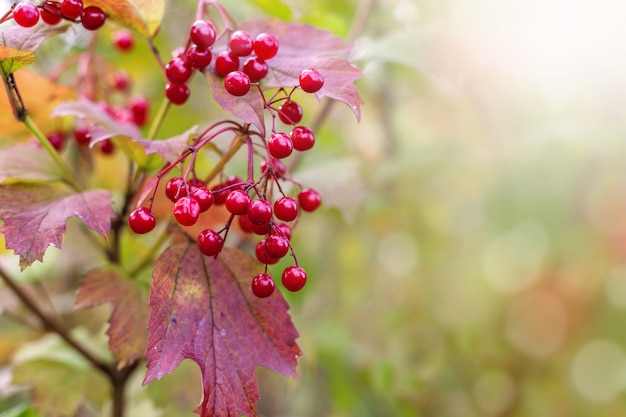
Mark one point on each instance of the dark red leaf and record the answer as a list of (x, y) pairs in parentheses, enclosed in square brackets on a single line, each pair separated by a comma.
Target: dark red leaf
[(35, 216), (203, 309), (127, 327)]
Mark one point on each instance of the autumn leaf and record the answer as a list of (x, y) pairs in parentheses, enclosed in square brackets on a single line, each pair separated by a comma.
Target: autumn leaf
[(143, 16), (30, 39), (172, 148), (203, 309), (127, 327), (12, 59), (27, 161), (35, 216)]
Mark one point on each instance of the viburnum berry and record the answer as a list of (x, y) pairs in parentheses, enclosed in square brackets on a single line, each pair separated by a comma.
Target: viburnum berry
[(121, 80), (106, 147), (141, 220), (286, 208), (195, 183), (240, 43), (244, 224), (311, 80), (263, 285), (92, 18), (71, 9), (175, 189), (255, 68), (139, 107), (293, 278), (202, 33), (261, 229), (282, 229), (226, 62), (178, 71), (261, 254), (199, 58), (26, 15), (237, 83), (186, 211), (203, 196), (57, 140), (276, 246), (279, 145), (82, 135), (177, 93), (210, 242), (259, 212), (51, 13), (309, 199), (237, 202), (303, 138), (265, 46), (221, 191), (123, 40), (278, 168), (290, 112)]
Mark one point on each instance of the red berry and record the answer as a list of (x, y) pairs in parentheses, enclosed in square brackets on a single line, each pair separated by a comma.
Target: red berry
[(199, 58), (92, 18), (263, 285), (178, 71), (123, 40), (121, 80), (303, 138), (196, 183), (290, 112), (141, 220), (57, 140), (82, 135), (259, 212), (286, 208), (186, 211), (210, 242), (261, 254), (106, 147), (202, 33), (278, 168), (139, 110), (71, 9), (265, 46), (237, 83), (293, 278), (226, 62), (311, 80), (244, 224), (276, 246), (309, 199), (240, 43), (26, 15), (51, 13), (279, 145), (237, 202), (255, 69), (203, 196), (282, 229), (175, 189), (177, 93), (221, 191), (260, 229)]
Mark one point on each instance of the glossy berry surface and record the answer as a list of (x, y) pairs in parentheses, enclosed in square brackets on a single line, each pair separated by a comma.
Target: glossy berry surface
[(265, 46), (237, 83), (177, 93), (311, 80), (309, 199), (255, 69), (199, 58), (92, 18), (175, 189), (51, 13), (240, 43), (26, 15), (259, 212), (283, 229), (260, 229), (71, 9), (237, 202), (279, 145), (178, 71), (202, 33), (141, 220), (210, 242), (293, 278), (261, 254), (221, 191), (123, 40), (286, 208), (278, 168), (276, 246), (290, 112), (302, 138), (225, 63), (186, 211), (203, 196), (263, 285)]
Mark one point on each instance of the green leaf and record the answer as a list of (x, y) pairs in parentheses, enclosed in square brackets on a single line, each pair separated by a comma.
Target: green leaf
[(274, 8), (12, 59), (21, 410)]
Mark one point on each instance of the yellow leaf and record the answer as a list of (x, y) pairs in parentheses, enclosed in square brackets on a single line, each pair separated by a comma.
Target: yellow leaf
[(13, 59), (143, 16)]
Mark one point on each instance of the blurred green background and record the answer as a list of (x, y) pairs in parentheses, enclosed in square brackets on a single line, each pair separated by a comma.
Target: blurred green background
[(470, 259)]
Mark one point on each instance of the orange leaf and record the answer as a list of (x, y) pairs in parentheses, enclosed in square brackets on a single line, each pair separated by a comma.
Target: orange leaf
[(13, 59), (143, 16)]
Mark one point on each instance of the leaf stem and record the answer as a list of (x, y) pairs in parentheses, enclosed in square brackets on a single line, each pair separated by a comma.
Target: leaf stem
[(159, 118), (45, 143)]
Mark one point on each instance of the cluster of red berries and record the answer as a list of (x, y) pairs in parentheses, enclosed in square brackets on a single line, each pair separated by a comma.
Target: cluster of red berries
[(52, 12)]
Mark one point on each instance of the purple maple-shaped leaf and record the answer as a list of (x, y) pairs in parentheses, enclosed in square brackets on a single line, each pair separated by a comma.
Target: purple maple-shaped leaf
[(203, 309), (127, 326), (302, 46), (35, 216)]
